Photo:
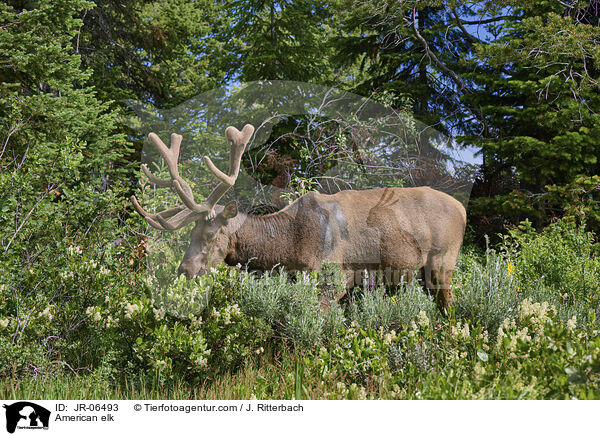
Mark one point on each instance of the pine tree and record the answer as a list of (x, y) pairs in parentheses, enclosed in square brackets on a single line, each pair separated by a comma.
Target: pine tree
[(60, 184), (160, 52), (281, 40), (541, 102), (411, 51)]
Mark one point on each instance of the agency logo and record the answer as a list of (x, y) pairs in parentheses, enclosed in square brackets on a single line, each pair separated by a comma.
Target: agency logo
[(26, 415)]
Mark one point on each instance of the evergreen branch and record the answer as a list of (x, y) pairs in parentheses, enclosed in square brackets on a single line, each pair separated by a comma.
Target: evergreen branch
[(460, 25), (462, 87), (488, 20)]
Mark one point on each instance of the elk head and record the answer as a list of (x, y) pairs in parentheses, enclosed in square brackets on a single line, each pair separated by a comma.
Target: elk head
[(209, 237)]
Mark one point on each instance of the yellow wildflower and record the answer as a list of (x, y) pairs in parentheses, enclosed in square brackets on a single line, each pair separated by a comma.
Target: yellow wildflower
[(510, 268)]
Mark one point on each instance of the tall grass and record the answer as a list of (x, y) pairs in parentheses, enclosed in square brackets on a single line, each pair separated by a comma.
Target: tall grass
[(489, 289), (375, 307), (273, 376)]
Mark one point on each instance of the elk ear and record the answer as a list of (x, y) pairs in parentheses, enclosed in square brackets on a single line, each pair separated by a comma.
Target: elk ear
[(230, 210)]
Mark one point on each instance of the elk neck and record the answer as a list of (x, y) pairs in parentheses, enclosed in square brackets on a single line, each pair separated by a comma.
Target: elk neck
[(261, 242)]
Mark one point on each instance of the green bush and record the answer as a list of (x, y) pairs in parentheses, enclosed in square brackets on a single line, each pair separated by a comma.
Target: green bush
[(487, 291), (43, 319), (160, 337), (96, 314), (560, 265), (372, 308), (291, 307), (535, 356)]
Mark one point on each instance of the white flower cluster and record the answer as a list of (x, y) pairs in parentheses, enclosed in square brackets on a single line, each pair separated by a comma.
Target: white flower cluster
[(483, 336), (423, 319), (389, 337), (159, 313), (422, 322), (353, 330), (361, 392), (131, 309), (66, 275), (533, 317), (182, 299), (46, 314), (201, 362), (461, 331), (112, 322), (94, 312), (226, 313), (479, 369), (521, 335), (4, 323), (74, 250), (536, 313)]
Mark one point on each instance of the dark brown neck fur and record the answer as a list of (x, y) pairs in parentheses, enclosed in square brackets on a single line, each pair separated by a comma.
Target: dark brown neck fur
[(261, 242)]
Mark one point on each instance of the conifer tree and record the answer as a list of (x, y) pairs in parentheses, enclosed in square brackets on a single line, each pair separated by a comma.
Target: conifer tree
[(540, 95), (60, 181)]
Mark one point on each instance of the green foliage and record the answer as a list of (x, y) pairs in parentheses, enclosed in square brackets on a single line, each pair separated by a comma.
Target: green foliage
[(487, 290), (281, 40), (298, 186), (579, 200), (292, 307), (76, 293), (457, 360), (375, 308), (502, 340), (61, 198), (171, 339), (359, 356), (559, 265), (165, 52), (539, 95)]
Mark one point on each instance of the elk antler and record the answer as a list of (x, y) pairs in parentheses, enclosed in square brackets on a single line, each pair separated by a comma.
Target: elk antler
[(190, 211)]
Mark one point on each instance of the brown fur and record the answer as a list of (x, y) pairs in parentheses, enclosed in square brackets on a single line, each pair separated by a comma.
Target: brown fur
[(394, 230)]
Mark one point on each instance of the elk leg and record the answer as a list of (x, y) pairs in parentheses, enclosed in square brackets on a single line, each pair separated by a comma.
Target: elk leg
[(438, 282), (327, 298)]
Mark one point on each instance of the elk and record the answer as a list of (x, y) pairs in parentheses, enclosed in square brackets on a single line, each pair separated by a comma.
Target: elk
[(394, 231)]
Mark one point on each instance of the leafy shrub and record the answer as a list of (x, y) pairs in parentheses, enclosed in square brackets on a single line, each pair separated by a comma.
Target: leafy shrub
[(43, 311), (535, 356), (359, 357), (487, 292), (292, 307), (372, 308), (160, 337), (560, 265), (563, 256)]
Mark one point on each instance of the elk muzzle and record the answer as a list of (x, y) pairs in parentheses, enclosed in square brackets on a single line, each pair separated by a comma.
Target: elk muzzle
[(190, 271)]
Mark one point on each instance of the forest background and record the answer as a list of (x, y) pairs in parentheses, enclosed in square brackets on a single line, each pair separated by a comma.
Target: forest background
[(516, 80)]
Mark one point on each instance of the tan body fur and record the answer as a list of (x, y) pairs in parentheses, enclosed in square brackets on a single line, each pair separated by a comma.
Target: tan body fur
[(394, 230)]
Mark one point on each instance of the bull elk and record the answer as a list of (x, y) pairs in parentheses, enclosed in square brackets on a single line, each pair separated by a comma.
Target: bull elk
[(394, 231)]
